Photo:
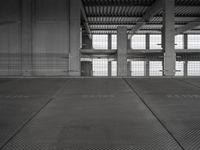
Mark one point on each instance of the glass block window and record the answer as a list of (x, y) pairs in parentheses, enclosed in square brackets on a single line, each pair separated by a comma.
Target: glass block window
[(100, 41), (179, 68), (114, 68), (114, 41), (138, 42), (155, 41), (193, 68), (193, 41), (179, 42), (155, 68), (100, 67), (137, 68)]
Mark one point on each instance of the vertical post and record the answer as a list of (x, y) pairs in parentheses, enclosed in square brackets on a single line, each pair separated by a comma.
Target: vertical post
[(74, 56), (109, 41), (129, 44), (185, 59), (109, 68), (26, 37), (129, 68), (185, 38), (147, 67), (147, 41), (168, 37), (147, 59), (122, 51)]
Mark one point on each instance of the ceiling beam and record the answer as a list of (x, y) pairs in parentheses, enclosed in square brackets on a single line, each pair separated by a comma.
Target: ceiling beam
[(128, 4), (153, 10), (188, 26), (86, 21)]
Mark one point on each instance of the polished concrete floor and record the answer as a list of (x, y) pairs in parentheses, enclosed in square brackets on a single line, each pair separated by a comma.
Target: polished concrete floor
[(100, 114)]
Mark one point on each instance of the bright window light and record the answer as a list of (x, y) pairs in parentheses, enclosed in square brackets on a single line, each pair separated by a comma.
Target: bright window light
[(155, 68), (114, 42), (100, 67), (155, 41), (114, 68), (100, 41), (138, 42), (179, 68), (179, 42), (193, 68), (137, 68), (193, 41)]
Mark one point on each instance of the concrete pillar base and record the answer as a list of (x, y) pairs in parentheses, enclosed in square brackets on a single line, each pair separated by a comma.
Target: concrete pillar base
[(169, 64)]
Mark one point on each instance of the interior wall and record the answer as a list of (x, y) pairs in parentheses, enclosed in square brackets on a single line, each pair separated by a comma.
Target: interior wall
[(51, 37), (49, 32), (10, 52)]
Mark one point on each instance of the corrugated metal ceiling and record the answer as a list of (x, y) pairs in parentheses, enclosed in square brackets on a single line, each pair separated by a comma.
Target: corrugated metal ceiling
[(104, 16)]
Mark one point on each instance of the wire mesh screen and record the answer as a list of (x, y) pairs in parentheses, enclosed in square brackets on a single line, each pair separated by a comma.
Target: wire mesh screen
[(137, 68), (100, 41), (193, 68), (100, 67), (193, 41), (138, 42), (179, 42), (114, 41), (114, 68), (179, 68), (155, 41), (155, 68)]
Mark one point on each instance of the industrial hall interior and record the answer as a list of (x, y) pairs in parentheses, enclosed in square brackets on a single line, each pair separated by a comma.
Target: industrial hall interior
[(99, 74)]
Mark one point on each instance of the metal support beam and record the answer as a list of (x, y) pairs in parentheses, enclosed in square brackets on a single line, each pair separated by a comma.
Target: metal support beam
[(86, 21), (122, 51), (128, 43), (74, 59), (147, 41), (168, 38), (147, 68), (129, 68), (109, 41), (109, 68), (186, 68), (153, 10), (185, 42), (189, 26), (186, 58)]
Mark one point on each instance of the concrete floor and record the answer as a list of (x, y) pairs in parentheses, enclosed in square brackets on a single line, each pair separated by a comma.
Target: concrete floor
[(99, 114)]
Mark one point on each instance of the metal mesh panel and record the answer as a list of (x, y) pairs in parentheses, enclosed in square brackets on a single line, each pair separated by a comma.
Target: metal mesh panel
[(155, 68), (193, 68), (100, 67), (179, 68), (114, 68), (100, 41), (193, 41), (138, 41), (179, 42), (155, 41), (114, 41), (137, 68)]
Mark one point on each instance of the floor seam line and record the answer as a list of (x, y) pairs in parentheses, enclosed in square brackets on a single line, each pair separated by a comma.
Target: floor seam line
[(186, 82), (31, 118), (154, 114)]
